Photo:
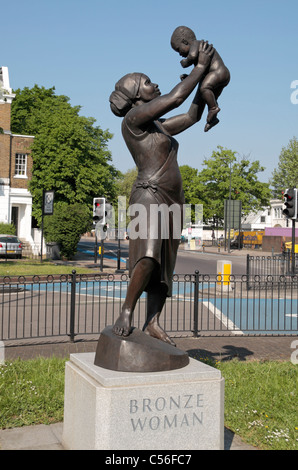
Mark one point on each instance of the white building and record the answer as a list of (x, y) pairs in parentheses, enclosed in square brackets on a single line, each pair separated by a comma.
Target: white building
[(15, 168), (270, 217)]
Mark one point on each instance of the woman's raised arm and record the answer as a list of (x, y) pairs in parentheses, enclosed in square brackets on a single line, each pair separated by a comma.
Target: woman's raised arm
[(145, 112), (176, 124)]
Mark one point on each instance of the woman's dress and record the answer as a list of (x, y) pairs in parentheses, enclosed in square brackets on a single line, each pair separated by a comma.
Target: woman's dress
[(158, 189)]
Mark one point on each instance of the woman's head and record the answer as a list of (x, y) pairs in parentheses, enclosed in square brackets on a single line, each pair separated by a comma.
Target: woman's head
[(125, 93), (130, 90)]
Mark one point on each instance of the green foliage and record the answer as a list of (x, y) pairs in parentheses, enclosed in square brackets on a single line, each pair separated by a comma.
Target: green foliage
[(124, 186), (27, 108), (286, 174), (70, 153), (192, 186), (222, 171), (211, 186), (66, 226), (125, 183), (8, 229)]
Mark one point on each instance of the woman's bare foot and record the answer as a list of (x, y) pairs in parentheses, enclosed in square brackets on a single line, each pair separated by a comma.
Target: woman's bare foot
[(155, 330), (122, 326)]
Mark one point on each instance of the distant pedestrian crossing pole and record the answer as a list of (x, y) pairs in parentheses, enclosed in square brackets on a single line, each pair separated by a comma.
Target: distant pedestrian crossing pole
[(224, 271)]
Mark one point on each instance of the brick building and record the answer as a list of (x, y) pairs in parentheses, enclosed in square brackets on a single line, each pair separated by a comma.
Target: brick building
[(15, 167)]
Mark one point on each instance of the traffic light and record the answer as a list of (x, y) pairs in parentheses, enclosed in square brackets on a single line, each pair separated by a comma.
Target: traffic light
[(290, 202), (99, 210)]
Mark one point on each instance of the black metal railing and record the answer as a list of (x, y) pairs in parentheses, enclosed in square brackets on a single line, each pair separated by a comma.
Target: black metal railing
[(276, 265), (74, 305)]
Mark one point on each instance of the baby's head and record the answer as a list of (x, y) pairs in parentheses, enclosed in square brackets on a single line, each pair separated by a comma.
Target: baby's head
[(181, 40)]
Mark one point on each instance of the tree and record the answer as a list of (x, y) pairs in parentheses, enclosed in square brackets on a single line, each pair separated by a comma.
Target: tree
[(193, 191), (66, 226), (125, 183), (27, 108), (224, 173), (124, 186), (192, 186), (69, 152), (286, 173)]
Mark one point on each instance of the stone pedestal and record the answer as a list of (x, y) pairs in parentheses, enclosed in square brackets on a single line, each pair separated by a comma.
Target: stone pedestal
[(170, 410)]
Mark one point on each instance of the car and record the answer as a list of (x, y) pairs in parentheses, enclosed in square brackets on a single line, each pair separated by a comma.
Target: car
[(10, 246)]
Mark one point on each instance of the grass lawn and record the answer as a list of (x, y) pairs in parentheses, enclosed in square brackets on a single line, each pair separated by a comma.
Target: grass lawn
[(31, 392), (260, 398), (35, 267), (261, 402)]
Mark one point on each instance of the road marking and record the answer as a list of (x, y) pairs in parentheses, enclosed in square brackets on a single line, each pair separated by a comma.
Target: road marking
[(223, 318)]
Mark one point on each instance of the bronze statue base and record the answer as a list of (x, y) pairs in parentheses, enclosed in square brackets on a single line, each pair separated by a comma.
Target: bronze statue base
[(137, 352)]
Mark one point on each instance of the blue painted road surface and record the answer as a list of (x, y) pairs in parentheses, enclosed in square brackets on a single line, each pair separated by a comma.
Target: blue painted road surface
[(240, 315)]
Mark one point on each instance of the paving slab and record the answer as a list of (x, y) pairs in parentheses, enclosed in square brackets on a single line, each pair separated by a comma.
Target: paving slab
[(48, 437)]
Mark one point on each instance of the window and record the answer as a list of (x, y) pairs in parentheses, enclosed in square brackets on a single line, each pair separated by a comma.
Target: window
[(278, 212), (21, 165), (263, 218)]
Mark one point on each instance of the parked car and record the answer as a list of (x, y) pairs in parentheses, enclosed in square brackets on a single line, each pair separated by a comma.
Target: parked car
[(10, 246)]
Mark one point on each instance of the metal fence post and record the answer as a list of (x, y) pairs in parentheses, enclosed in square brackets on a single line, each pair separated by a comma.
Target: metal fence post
[(72, 305), (247, 271), (247, 266), (196, 305)]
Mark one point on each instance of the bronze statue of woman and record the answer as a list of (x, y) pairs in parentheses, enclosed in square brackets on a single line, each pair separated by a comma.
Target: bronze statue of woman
[(154, 150)]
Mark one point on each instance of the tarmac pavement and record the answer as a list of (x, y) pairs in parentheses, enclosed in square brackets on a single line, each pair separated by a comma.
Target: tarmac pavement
[(48, 437)]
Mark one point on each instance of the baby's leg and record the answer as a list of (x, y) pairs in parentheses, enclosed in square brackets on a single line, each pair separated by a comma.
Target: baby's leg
[(208, 86), (213, 84), (211, 88)]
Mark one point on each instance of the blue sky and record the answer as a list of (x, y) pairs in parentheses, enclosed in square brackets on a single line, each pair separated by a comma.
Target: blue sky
[(82, 47)]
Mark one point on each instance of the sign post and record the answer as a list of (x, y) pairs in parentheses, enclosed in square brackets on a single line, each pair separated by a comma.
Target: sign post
[(47, 209), (232, 217)]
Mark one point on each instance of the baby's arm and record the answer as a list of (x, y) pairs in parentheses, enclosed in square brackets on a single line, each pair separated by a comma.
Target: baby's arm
[(193, 54), (186, 62)]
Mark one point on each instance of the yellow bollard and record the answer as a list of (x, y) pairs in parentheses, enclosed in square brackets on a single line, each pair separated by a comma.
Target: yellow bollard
[(224, 271)]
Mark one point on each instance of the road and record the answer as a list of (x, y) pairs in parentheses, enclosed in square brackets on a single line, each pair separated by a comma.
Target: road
[(206, 263), (187, 261), (42, 308)]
